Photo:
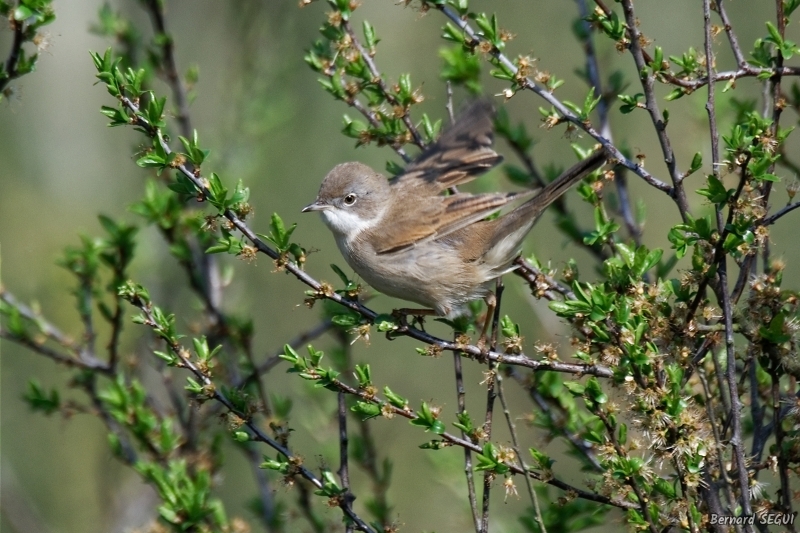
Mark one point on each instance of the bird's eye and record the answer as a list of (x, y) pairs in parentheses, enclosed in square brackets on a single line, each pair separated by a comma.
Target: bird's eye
[(350, 199)]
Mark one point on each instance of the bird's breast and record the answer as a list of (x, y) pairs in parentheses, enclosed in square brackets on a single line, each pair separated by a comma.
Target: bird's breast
[(430, 274)]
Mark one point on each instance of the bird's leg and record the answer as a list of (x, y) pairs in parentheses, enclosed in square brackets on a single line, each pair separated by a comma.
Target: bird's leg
[(491, 304), (418, 315)]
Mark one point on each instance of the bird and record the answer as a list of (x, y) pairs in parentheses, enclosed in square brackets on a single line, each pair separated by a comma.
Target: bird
[(411, 237)]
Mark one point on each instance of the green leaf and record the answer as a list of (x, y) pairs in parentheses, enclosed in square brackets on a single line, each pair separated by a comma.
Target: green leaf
[(22, 13), (341, 274)]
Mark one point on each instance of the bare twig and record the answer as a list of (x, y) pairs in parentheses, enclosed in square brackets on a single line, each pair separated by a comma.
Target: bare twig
[(378, 80), (778, 103), (736, 441), (541, 284), (344, 471), (12, 62), (491, 394), (512, 428), (777, 424), (155, 8), (575, 440), (77, 356), (741, 62), (44, 326), (648, 83), (462, 407), (53, 354), (778, 214), (712, 420)]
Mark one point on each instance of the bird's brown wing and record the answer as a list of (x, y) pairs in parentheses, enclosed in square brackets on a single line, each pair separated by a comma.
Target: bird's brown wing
[(436, 217), (463, 152)]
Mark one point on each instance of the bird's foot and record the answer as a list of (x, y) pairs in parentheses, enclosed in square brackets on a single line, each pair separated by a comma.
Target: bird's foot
[(417, 317), (483, 346)]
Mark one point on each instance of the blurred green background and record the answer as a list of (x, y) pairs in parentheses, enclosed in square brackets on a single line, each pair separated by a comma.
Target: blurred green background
[(269, 123)]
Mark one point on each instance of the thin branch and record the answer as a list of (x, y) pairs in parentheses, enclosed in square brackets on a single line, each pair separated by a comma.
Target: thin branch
[(728, 75), (743, 278), (720, 448), (778, 103), (14, 55), (344, 470), (378, 80), (512, 428), (77, 356), (462, 407), (56, 356), (761, 431), (603, 107), (736, 441), (116, 331), (155, 8), (741, 62), (574, 439), (491, 394), (541, 284), (273, 360), (44, 326), (375, 123), (648, 83), (775, 216), (777, 422)]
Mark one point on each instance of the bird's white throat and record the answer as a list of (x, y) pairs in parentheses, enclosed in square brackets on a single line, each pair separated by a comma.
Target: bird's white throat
[(347, 223)]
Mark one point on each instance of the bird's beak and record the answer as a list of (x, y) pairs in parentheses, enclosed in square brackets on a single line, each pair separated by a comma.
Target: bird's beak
[(316, 206)]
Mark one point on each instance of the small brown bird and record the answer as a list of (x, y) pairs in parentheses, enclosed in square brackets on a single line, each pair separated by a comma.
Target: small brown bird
[(408, 240)]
